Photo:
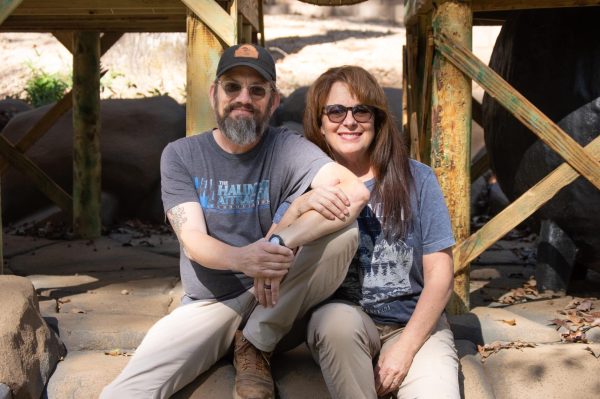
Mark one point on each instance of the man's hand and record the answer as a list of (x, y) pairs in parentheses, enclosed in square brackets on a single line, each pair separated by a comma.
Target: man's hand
[(264, 259), (266, 290), (391, 369)]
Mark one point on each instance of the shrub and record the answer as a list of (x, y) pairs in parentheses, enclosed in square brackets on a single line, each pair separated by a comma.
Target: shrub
[(45, 88)]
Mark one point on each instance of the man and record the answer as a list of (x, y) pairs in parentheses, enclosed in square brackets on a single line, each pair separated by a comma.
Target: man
[(220, 192)]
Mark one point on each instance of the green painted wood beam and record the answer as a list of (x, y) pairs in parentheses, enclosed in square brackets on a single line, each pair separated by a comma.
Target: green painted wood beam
[(7, 7), (529, 202), (542, 126)]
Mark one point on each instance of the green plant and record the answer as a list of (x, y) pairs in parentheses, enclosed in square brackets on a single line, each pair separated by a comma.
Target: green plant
[(45, 88)]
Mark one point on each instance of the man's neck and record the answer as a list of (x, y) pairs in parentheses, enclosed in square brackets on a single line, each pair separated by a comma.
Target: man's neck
[(231, 147)]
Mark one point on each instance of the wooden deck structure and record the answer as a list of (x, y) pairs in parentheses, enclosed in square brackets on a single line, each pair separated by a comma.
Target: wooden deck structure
[(438, 107), (88, 28), (439, 110)]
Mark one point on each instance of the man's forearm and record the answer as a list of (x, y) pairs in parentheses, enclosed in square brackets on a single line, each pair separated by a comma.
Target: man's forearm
[(312, 225)]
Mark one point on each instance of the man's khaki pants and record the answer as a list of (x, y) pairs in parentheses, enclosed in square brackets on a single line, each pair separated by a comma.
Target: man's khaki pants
[(344, 341), (187, 342)]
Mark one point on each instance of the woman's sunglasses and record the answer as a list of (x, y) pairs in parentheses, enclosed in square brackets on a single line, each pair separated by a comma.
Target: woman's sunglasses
[(233, 89), (336, 113)]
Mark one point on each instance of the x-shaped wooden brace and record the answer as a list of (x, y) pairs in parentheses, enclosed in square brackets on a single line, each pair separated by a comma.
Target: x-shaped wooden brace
[(15, 154), (584, 161)]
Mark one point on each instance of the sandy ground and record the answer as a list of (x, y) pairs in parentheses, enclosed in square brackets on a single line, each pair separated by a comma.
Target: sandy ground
[(149, 64)]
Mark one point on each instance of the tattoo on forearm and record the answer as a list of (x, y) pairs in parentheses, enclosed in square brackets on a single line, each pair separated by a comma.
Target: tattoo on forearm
[(177, 218)]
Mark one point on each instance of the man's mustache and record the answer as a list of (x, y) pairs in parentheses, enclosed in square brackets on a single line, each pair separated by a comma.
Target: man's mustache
[(245, 107)]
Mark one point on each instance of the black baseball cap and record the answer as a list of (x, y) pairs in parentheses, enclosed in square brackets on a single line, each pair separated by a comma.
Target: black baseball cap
[(249, 55)]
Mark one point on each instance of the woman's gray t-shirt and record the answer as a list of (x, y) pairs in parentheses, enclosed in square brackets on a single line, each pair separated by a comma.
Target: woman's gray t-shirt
[(238, 193), (386, 277)]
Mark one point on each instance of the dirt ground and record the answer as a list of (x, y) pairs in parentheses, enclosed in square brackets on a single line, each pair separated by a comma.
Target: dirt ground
[(141, 65)]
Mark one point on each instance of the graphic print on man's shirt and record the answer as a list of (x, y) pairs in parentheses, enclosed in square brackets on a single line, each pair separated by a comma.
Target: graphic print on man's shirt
[(224, 196)]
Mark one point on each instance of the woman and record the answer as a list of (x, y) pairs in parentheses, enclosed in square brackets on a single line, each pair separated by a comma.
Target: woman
[(384, 331)]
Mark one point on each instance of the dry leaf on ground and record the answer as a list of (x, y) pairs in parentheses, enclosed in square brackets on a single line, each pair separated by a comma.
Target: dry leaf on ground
[(511, 322), (486, 350), (579, 319), (117, 352), (529, 291), (595, 351)]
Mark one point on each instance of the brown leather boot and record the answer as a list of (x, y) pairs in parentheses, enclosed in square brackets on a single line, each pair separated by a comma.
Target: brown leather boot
[(253, 372)]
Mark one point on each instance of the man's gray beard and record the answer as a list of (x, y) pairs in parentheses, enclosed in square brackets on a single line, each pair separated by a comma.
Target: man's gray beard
[(242, 131)]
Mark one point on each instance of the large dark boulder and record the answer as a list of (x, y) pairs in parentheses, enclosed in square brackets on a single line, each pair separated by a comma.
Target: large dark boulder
[(133, 135), (9, 108), (553, 58)]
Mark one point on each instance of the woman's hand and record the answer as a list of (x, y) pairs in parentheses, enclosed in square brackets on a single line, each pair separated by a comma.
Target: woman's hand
[(391, 369), (329, 201)]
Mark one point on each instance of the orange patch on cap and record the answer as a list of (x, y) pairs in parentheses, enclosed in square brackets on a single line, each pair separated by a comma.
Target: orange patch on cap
[(246, 51)]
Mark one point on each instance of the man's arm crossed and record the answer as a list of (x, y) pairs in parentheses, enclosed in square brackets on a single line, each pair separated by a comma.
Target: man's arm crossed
[(260, 258)]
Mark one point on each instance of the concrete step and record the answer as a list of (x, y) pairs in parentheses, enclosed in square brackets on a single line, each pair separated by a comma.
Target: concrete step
[(81, 332), (78, 257), (552, 371), (485, 325), (83, 374)]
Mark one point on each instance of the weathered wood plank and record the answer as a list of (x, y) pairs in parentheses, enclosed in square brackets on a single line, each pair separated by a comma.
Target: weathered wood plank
[(500, 5), (411, 92), (107, 40), (41, 127), (41, 180), (86, 135), (74, 12), (480, 166), (451, 132), (1, 234), (203, 52), (476, 111), (216, 18), (115, 5), (533, 199), (405, 128), (7, 7), (65, 38), (424, 133), (548, 131), (414, 8), (261, 24), (102, 23), (249, 9)]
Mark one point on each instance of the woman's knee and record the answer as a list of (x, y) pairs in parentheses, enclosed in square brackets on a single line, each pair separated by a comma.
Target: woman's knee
[(337, 325)]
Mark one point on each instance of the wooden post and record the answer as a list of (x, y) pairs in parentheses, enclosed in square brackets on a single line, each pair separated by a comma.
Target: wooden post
[(86, 135), (203, 52), (451, 131), (1, 236)]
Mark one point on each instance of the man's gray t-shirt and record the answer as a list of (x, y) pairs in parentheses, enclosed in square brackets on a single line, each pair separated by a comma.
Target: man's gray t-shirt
[(386, 277), (238, 193)]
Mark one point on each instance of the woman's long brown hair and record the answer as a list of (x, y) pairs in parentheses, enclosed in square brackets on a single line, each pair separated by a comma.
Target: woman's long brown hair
[(387, 153)]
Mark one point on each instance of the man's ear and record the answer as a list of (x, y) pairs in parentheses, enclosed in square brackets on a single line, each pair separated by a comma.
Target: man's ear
[(211, 96), (276, 101)]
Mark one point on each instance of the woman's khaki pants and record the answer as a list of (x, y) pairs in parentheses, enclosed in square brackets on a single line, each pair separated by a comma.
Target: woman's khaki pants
[(344, 341)]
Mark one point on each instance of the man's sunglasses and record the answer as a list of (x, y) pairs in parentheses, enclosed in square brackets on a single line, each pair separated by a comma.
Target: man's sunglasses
[(336, 113), (233, 89)]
